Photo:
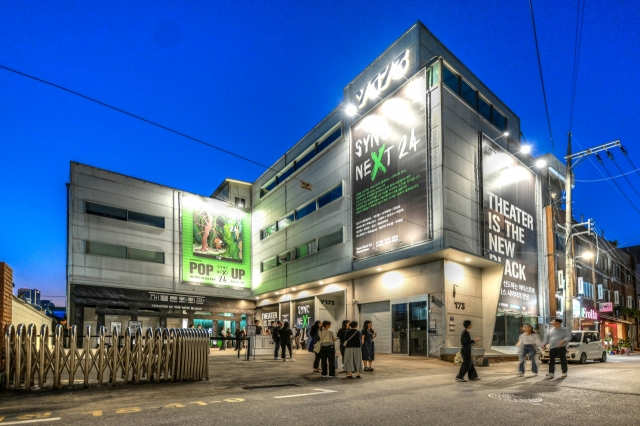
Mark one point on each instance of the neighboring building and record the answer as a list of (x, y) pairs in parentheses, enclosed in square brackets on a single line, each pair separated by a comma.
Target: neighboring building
[(25, 313), (29, 295), (48, 306), (411, 204)]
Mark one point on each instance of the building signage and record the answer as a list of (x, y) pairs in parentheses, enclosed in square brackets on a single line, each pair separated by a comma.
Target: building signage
[(216, 243), (303, 312), (389, 150), (605, 307), (588, 313), (510, 227), (135, 324), (267, 317), (176, 301), (376, 88), (306, 185)]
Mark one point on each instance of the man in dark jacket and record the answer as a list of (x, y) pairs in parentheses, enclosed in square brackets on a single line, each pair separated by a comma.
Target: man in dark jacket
[(466, 343), (275, 335)]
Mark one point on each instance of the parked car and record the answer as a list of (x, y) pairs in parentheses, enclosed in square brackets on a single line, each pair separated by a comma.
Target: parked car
[(584, 345)]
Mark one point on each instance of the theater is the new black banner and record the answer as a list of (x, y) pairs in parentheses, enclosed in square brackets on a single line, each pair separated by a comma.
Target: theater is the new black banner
[(389, 172), (510, 227)]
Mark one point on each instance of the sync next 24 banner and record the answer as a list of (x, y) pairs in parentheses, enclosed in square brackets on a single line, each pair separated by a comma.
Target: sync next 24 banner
[(510, 227), (389, 172), (216, 243)]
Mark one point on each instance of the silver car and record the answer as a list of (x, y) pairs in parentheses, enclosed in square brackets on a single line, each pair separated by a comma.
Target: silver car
[(584, 345)]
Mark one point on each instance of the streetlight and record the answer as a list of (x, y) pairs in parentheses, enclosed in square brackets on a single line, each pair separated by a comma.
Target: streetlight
[(525, 149), (541, 163), (504, 135)]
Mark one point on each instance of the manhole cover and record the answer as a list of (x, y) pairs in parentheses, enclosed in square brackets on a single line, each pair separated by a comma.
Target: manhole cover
[(515, 397), (269, 387)]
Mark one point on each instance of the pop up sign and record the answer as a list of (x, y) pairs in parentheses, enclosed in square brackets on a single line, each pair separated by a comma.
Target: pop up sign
[(606, 307)]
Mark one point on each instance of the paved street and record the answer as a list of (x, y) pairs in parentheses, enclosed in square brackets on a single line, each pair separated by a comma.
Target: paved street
[(401, 390)]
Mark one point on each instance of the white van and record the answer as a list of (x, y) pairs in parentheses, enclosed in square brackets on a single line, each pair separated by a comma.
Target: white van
[(584, 345)]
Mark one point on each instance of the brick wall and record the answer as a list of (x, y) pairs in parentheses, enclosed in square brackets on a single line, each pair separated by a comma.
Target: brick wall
[(6, 289)]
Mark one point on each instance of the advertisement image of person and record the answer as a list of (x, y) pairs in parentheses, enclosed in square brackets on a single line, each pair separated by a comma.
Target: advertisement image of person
[(275, 336), (285, 341), (343, 329), (556, 340), (313, 338), (368, 346), (528, 344), (466, 343), (327, 339), (353, 350)]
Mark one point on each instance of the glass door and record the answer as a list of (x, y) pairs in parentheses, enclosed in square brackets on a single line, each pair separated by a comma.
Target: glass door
[(399, 328), (418, 330)]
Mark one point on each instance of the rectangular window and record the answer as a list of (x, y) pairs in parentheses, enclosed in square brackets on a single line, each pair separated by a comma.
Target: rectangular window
[(499, 120), (146, 219), (269, 264), (286, 174), (284, 222), (286, 257), (240, 202), (616, 297), (305, 158), (560, 245), (269, 230), (145, 255), (469, 94), (306, 210), (305, 250), (433, 75), (268, 187), (629, 302), (330, 139), (450, 79), (484, 108), (105, 211), (330, 196), (102, 249), (330, 240)]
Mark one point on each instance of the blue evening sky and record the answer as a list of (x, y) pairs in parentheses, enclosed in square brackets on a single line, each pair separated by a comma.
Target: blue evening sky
[(254, 77)]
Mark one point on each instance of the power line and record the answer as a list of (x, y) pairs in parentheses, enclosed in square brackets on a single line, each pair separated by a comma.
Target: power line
[(602, 180), (616, 184), (576, 58), (610, 155)]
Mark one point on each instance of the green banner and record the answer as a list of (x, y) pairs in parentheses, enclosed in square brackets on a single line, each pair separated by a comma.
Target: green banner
[(216, 243)]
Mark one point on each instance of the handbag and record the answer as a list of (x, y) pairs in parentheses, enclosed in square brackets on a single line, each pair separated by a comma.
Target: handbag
[(345, 342), (318, 345), (458, 360)]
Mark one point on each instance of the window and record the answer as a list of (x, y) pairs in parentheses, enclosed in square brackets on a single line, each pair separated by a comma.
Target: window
[(241, 202), (146, 219), (286, 221), (145, 255), (268, 187), (469, 94), (588, 289), (286, 174), (499, 120), (484, 108), (305, 250), (433, 75), (105, 211), (559, 304), (102, 249), (560, 242), (330, 196), (330, 240), (269, 264), (450, 79), (305, 158), (286, 257), (306, 210), (330, 139), (629, 302), (600, 292), (616, 297), (269, 230)]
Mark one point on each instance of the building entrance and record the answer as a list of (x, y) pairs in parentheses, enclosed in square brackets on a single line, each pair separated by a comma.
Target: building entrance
[(508, 328), (409, 328)]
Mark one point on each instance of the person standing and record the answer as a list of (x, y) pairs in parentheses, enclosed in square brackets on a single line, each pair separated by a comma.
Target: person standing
[(352, 359), (285, 341), (275, 335), (368, 347), (528, 344), (556, 340), (239, 337), (258, 328), (343, 329), (65, 333), (466, 343), (229, 341), (313, 337), (298, 335), (327, 339)]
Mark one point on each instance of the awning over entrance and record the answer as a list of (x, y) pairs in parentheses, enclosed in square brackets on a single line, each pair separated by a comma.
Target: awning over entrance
[(604, 317)]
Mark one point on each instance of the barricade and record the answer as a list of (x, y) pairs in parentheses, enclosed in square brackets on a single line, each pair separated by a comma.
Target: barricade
[(36, 361)]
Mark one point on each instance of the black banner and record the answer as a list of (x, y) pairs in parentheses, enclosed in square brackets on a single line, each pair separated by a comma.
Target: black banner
[(389, 172), (510, 227)]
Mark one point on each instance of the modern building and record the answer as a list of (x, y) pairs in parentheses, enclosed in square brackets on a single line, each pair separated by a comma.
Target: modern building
[(29, 295), (412, 205)]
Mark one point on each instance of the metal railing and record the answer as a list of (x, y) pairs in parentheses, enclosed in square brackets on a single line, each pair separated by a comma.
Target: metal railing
[(32, 360)]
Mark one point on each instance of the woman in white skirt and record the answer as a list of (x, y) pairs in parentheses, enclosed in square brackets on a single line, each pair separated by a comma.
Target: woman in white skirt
[(353, 350)]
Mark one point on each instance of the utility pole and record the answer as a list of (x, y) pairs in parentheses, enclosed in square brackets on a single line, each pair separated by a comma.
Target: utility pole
[(569, 286)]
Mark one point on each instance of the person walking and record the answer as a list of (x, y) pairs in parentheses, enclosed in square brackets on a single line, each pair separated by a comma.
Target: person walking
[(285, 341), (275, 335), (313, 338), (327, 339), (368, 347), (239, 337), (352, 359), (343, 329), (556, 340), (466, 343), (528, 344)]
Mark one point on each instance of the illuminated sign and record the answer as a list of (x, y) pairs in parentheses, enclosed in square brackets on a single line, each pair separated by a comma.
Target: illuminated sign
[(589, 313), (382, 81), (606, 307)]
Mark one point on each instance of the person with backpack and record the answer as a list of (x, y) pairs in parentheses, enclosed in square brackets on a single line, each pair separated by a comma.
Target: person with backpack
[(285, 341), (275, 335), (352, 359), (313, 338)]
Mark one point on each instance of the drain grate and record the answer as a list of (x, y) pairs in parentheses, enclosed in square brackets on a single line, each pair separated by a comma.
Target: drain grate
[(268, 388), (515, 397)]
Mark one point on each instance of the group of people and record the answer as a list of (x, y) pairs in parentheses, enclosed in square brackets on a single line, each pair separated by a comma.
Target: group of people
[(356, 348), (529, 342), (283, 338)]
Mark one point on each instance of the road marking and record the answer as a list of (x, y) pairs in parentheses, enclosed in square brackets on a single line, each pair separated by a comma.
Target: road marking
[(213, 402), (234, 400), (199, 403), (174, 406), (128, 410), (34, 416), (24, 422), (96, 413), (307, 394)]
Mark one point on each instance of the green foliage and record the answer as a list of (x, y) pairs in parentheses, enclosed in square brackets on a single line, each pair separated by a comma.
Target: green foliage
[(629, 312)]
